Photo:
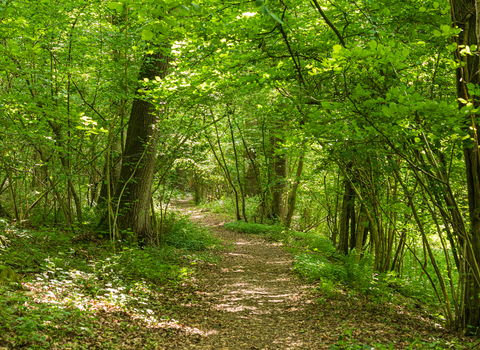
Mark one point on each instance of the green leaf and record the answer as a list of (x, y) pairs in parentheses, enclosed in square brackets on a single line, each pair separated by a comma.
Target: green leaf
[(276, 18), (195, 6), (147, 34), (161, 29), (372, 44), (258, 3), (452, 47), (118, 6), (337, 48), (325, 105), (265, 10), (169, 21)]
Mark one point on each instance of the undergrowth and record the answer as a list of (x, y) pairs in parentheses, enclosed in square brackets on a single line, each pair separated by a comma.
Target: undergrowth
[(69, 280), (347, 342), (317, 260)]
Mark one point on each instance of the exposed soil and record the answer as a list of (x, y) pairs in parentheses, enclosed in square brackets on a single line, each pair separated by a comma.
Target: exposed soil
[(253, 300)]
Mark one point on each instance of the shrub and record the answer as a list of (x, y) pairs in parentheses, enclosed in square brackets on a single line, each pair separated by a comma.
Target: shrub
[(252, 228), (186, 235), (347, 270)]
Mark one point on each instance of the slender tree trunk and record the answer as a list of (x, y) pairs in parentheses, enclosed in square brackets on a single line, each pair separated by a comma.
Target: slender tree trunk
[(279, 167), (223, 165), (239, 178), (115, 164), (335, 214), (133, 194), (345, 218), (293, 195), (361, 231)]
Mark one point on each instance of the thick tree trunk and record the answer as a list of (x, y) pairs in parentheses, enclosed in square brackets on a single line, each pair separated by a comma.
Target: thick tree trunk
[(466, 16), (133, 194)]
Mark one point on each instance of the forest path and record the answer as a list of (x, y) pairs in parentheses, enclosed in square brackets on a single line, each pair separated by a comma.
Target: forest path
[(252, 299)]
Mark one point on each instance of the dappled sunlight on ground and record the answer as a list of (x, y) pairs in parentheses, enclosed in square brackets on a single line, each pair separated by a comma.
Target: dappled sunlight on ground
[(253, 300)]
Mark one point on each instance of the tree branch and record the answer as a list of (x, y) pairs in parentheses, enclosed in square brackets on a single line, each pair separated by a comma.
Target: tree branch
[(330, 24)]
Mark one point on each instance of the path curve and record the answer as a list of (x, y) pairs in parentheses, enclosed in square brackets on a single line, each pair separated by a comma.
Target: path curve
[(252, 299)]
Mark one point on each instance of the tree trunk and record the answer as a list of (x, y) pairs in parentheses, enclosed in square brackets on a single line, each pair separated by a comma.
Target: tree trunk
[(293, 195), (114, 172), (466, 16), (279, 167), (360, 232), (345, 217), (133, 194)]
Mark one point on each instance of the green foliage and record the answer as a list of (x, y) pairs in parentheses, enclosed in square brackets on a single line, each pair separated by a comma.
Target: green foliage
[(316, 243), (223, 205), (346, 269), (347, 342), (73, 276), (273, 232), (186, 235), (9, 277)]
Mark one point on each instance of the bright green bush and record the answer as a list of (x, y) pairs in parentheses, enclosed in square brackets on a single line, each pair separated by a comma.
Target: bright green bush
[(316, 243), (347, 270), (223, 205), (253, 228), (186, 235)]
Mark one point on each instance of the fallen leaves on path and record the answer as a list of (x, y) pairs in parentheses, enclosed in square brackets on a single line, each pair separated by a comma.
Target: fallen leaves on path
[(250, 300), (253, 300)]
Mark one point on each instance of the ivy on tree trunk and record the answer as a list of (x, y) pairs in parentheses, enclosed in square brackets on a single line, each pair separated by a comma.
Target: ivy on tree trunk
[(133, 193)]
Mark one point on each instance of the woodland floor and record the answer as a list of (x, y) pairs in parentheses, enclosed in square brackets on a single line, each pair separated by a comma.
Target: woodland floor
[(253, 300)]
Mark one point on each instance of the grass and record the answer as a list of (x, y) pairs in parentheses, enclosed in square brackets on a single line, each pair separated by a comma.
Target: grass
[(274, 232), (75, 285)]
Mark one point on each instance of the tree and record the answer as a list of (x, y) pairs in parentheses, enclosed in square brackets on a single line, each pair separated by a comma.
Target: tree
[(134, 190), (465, 16)]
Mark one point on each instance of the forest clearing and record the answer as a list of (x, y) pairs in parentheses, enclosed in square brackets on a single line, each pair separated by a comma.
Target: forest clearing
[(330, 149)]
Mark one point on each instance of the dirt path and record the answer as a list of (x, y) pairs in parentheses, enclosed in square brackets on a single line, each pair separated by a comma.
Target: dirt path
[(253, 300)]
